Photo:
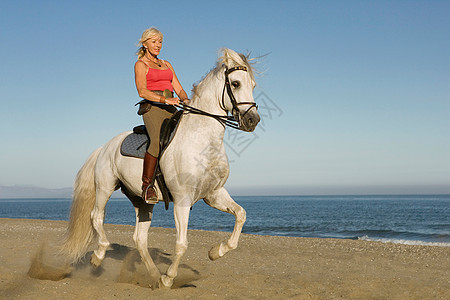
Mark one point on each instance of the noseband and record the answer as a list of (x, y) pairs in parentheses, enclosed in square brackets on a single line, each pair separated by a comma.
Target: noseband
[(235, 110)]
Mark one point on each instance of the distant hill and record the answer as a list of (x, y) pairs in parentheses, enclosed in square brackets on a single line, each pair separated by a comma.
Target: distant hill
[(31, 191)]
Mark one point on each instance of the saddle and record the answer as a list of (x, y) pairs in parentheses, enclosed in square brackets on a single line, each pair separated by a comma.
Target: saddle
[(136, 144)]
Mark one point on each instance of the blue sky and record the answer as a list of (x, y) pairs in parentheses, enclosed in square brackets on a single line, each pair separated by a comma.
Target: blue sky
[(355, 95)]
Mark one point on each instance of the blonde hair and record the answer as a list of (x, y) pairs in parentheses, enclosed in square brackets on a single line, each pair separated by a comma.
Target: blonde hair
[(147, 34)]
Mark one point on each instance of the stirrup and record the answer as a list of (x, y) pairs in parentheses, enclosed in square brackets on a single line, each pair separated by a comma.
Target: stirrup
[(151, 200)]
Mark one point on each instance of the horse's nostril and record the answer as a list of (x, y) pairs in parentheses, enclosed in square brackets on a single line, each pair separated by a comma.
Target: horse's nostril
[(250, 121)]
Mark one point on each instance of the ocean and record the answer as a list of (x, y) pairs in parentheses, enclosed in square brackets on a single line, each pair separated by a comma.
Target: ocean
[(406, 219)]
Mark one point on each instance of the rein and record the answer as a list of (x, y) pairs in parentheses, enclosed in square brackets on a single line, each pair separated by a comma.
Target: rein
[(230, 121)]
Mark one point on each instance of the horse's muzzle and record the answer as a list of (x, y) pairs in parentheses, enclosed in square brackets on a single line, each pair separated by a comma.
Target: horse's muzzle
[(250, 119)]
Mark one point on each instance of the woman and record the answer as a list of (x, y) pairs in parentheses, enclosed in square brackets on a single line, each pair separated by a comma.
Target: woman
[(153, 76)]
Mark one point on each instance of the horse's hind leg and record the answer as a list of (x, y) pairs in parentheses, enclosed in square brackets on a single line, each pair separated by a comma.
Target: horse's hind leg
[(98, 216), (223, 201), (143, 220)]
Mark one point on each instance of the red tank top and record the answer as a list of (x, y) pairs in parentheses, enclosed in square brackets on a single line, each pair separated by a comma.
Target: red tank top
[(159, 80)]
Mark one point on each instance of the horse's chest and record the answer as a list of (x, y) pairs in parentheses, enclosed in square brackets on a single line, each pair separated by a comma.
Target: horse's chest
[(213, 162), (217, 168)]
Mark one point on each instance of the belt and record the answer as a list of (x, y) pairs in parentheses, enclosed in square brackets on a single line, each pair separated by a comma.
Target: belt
[(160, 93)]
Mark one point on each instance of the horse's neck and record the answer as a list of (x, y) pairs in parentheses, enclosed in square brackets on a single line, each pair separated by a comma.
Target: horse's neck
[(202, 127), (208, 95), (197, 136), (208, 99)]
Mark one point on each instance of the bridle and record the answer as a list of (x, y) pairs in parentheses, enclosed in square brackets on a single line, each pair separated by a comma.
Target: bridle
[(232, 121), (234, 103)]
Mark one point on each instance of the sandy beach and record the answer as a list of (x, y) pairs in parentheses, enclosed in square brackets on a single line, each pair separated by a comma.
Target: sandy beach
[(262, 267)]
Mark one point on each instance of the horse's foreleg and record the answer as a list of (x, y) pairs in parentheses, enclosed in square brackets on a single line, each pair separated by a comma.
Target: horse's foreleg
[(181, 215), (221, 200), (143, 221), (97, 216)]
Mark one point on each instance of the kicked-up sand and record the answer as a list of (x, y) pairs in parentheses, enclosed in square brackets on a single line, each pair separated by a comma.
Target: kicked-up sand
[(262, 267)]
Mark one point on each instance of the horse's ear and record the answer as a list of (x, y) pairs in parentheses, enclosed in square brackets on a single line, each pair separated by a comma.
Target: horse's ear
[(225, 58)]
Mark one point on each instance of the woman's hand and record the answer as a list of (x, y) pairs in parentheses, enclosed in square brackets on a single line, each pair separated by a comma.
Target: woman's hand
[(172, 101)]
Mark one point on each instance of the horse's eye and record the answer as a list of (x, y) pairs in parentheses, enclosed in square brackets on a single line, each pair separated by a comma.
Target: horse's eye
[(236, 84)]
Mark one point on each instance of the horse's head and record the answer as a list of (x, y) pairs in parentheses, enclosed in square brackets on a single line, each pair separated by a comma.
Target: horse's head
[(237, 94)]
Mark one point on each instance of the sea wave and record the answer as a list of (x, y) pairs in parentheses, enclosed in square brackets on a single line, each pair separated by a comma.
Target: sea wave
[(404, 242)]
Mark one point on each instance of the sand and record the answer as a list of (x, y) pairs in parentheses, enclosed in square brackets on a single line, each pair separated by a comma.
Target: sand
[(262, 267)]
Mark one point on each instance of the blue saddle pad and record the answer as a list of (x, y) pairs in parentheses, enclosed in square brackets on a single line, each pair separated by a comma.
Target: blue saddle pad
[(135, 145)]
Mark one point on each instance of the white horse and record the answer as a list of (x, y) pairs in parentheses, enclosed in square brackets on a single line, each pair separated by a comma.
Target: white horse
[(194, 165)]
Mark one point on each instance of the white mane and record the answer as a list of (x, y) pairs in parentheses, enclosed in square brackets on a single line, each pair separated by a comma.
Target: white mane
[(229, 59)]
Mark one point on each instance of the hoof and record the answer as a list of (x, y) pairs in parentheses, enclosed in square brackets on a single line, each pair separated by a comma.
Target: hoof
[(165, 282), (214, 253), (95, 261)]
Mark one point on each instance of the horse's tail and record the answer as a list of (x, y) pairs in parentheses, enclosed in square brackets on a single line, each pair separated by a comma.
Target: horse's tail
[(80, 232)]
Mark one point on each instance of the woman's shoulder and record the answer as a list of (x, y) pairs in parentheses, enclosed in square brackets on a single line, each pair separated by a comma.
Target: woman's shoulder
[(140, 62), (167, 64), (140, 65)]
